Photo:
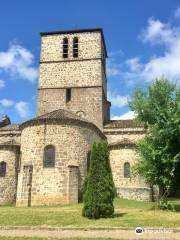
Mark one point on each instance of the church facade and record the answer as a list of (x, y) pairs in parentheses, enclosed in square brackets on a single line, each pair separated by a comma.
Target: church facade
[(44, 160)]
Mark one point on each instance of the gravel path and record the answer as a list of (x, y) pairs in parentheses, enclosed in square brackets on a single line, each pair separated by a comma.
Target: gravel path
[(116, 233)]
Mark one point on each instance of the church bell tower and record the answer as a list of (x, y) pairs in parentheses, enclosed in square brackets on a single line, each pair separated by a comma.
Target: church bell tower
[(73, 74)]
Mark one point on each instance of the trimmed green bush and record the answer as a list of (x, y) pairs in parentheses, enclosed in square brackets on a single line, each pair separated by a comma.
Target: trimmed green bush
[(100, 190), (164, 204)]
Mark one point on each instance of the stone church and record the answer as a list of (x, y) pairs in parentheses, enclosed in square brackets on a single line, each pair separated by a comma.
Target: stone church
[(43, 161)]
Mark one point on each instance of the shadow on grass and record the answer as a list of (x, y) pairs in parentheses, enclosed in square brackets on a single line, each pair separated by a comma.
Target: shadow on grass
[(117, 215), (177, 207)]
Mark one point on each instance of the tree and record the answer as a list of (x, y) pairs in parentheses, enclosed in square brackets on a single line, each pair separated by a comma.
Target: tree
[(100, 190), (159, 109)]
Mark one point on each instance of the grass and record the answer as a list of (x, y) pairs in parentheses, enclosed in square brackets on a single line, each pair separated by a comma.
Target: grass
[(35, 238), (128, 213)]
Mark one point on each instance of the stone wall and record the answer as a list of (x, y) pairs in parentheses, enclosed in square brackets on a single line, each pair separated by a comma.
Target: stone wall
[(106, 109), (122, 149), (133, 193), (72, 143), (90, 46), (85, 102), (9, 133), (130, 188), (73, 182), (70, 74), (8, 183), (9, 153), (116, 135), (85, 76)]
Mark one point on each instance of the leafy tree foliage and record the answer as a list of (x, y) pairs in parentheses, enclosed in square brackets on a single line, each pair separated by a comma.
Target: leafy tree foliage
[(100, 191), (159, 109)]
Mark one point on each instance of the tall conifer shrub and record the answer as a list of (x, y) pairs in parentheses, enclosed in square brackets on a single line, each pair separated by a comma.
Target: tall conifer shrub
[(100, 190)]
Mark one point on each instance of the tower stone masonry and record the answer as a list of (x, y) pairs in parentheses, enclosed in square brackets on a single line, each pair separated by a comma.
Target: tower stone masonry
[(84, 76)]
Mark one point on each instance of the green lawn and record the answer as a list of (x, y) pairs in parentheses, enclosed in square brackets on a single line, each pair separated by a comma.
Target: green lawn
[(35, 238), (127, 214)]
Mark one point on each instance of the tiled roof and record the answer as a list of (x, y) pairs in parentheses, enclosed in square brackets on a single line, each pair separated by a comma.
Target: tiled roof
[(60, 114), (10, 127), (123, 124)]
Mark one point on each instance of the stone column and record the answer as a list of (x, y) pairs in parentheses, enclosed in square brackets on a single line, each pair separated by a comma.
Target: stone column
[(27, 185), (73, 184)]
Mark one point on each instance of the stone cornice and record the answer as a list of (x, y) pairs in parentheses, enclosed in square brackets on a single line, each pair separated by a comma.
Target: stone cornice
[(71, 60), (100, 86), (124, 132), (10, 144)]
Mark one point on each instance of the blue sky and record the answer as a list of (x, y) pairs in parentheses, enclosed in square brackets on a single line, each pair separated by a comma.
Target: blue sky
[(142, 38)]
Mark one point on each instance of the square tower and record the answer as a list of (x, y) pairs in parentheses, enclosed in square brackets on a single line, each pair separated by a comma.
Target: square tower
[(73, 74)]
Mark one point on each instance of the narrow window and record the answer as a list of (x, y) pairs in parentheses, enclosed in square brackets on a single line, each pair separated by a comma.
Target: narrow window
[(75, 47), (68, 94), (127, 172), (3, 169), (49, 156), (65, 48)]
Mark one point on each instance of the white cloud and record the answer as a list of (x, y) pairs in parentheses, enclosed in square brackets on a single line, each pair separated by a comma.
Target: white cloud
[(117, 100), (18, 60), (2, 83), (125, 116), (166, 64), (134, 64), (177, 13), (158, 33), (6, 102), (115, 53), (22, 109), (113, 69)]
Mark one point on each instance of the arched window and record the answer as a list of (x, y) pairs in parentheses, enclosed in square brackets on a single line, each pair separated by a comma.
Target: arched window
[(3, 169), (65, 47), (127, 172), (75, 47), (49, 156)]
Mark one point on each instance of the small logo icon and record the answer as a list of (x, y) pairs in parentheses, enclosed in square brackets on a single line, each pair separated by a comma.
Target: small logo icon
[(139, 230)]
